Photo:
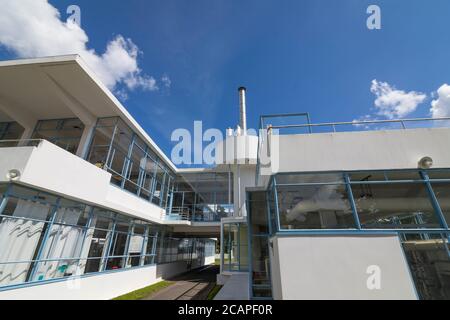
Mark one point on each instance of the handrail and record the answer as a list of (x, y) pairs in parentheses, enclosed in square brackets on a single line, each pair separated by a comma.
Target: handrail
[(19, 142), (358, 123)]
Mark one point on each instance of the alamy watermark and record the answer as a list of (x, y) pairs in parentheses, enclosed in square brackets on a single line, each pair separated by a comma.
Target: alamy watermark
[(74, 15), (374, 20)]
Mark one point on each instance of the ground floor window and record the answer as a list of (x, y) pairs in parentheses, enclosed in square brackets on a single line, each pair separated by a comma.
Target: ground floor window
[(428, 258)]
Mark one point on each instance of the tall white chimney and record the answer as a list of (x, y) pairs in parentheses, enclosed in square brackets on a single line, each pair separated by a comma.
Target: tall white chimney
[(243, 110)]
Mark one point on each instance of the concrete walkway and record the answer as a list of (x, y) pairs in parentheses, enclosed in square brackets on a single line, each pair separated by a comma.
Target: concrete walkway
[(236, 287), (194, 285)]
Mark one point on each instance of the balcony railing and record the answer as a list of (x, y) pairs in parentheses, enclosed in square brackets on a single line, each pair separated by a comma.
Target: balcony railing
[(365, 125), (20, 143)]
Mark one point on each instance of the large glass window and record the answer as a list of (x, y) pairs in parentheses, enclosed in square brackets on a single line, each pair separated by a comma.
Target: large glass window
[(235, 247), (133, 164), (394, 205), (428, 257), (260, 261), (65, 133), (382, 200), (442, 192), (202, 196), (314, 207), (23, 224)]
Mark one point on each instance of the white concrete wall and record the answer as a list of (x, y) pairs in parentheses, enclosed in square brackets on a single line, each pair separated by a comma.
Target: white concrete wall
[(368, 150), (335, 267), (99, 287), (53, 169)]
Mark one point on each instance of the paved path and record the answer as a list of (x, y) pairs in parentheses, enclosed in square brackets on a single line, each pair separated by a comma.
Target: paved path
[(194, 285)]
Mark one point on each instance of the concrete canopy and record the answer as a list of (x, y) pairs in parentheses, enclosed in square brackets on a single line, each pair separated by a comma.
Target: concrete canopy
[(56, 88)]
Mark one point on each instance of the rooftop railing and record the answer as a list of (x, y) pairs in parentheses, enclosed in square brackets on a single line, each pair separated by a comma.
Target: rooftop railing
[(366, 125)]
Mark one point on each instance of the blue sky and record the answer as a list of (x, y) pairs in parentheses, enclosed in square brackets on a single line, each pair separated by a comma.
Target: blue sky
[(312, 56)]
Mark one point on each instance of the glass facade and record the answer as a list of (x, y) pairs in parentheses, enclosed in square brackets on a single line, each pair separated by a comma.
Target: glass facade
[(235, 247), (258, 220), (44, 237), (134, 166), (202, 196), (360, 200), (65, 133)]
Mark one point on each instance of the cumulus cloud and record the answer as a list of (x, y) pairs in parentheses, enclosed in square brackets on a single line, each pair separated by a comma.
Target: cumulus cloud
[(34, 28), (393, 103), (440, 107)]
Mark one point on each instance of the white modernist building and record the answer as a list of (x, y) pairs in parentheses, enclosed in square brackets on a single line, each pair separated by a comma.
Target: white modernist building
[(91, 208)]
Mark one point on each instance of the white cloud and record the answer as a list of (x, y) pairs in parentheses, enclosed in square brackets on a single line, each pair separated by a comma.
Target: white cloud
[(166, 81), (441, 106), (392, 103), (33, 28)]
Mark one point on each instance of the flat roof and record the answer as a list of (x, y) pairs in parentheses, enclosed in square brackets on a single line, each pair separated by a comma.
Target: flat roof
[(32, 89)]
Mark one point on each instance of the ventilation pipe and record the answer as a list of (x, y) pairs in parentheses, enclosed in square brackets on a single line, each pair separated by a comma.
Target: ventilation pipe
[(243, 110)]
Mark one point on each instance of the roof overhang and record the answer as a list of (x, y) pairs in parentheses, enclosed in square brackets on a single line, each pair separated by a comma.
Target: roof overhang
[(60, 87)]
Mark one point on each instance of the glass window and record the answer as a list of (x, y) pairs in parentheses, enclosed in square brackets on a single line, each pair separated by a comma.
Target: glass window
[(100, 146), (10, 131), (442, 192), (3, 188), (394, 205), (98, 241), (314, 207), (65, 133), (429, 261)]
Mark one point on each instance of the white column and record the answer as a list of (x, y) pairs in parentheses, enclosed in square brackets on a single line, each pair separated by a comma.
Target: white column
[(83, 147)]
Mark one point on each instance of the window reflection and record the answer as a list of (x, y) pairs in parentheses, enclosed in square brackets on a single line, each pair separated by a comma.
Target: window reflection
[(314, 207), (398, 205), (65, 133)]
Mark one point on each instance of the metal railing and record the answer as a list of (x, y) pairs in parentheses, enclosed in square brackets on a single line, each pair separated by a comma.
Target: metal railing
[(358, 124), (20, 143)]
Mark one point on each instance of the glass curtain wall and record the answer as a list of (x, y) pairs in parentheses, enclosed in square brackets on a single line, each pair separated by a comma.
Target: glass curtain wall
[(45, 237), (203, 196), (65, 133), (133, 164)]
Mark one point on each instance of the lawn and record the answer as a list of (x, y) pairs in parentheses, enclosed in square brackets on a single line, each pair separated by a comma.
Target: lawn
[(144, 292), (214, 292)]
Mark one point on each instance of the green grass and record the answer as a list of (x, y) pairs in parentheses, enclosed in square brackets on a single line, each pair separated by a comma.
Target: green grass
[(213, 292), (217, 262), (144, 292)]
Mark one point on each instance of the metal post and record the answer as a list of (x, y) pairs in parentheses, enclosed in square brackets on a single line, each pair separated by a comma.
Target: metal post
[(276, 204), (352, 201), (110, 240), (44, 241), (434, 200)]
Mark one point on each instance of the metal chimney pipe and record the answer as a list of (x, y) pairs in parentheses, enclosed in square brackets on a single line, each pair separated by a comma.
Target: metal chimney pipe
[(243, 110)]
